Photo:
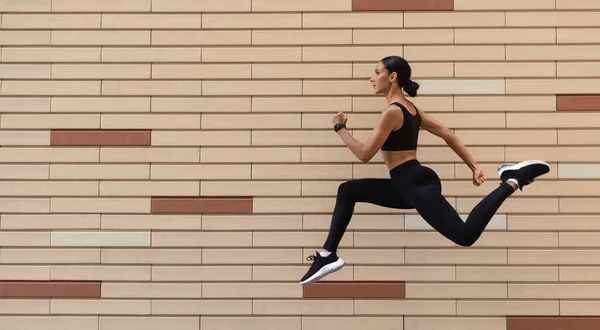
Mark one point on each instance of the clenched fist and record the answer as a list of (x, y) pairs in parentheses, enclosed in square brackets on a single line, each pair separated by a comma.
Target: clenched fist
[(340, 118)]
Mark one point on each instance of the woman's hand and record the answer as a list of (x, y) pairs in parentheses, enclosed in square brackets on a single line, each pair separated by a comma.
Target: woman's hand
[(478, 177), (340, 118)]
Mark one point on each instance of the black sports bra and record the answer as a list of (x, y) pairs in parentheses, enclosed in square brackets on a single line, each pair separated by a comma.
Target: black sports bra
[(404, 138)]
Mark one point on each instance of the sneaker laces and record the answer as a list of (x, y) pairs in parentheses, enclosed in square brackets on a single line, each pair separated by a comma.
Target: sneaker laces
[(313, 256)]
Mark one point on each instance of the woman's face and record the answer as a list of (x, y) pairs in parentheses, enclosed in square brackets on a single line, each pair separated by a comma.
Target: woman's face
[(381, 79)]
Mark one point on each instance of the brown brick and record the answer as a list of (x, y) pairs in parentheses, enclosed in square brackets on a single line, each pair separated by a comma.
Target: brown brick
[(357, 289), (49, 289), (233, 205), (406, 5), (552, 323), (99, 138), (578, 102)]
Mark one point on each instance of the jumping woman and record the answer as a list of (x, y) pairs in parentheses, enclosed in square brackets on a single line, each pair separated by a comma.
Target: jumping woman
[(411, 185)]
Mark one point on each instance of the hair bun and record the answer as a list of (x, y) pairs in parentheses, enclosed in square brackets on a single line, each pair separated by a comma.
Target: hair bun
[(411, 88)]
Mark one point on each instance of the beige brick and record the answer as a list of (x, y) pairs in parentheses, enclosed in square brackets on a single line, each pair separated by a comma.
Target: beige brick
[(149, 121), (292, 205), (455, 291), (381, 307), (151, 256), (252, 87), (24, 104), (201, 138), (578, 171), (505, 36), (302, 37), (251, 290), (454, 323), (150, 323), (50, 221), (426, 103), (200, 172), (404, 273), (29, 6), (354, 323), (51, 54), (553, 222), (50, 256), (555, 120), (444, 154), (169, 37), (400, 239), (561, 154), (453, 19), (249, 155), (252, 54), (252, 256), (251, 222), (320, 188), (579, 307), (104, 38), (577, 35), (201, 71), (101, 71), (151, 21), (301, 5), (149, 188), (321, 171), (563, 188), (24, 205), (50, 322), (295, 138), (49, 87), (23, 273), (150, 222), (199, 104), (507, 137), (552, 290), (505, 103), (201, 239), (251, 21), (250, 188), (509, 239), (552, 53), (24, 138), (100, 104), (24, 306), (100, 306), (201, 307), (462, 86), (30, 172), (151, 290), (101, 6), (99, 172), (332, 155), (99, 205), (552, 18), (367, 256), (507, 307), (521, 205), (577, 4), (456, 256), (553, 257), (504, 5), (419, 70), (202, 273), (577, 69), (503, 69), (336, 87), (506, 274), (50, 121), (464, 120), (303, 70), (100, 273), (294, 273), (25, 71), (250, 121), (301, 104), (149, 155), (50, 21), (349, 53), (403, 36), (579, 205), (455, 53), (151, 54), (578, 274), (19, 239), (141, 87), (353, 20), (295, 239), (48, 188), (200, 6), (251, 323), (303, 307)]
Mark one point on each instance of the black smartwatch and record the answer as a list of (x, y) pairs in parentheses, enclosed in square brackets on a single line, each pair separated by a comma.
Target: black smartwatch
[(338, 126)]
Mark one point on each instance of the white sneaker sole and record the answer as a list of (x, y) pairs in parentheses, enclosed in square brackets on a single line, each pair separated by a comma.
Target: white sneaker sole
[(506, 167), (325, 270)]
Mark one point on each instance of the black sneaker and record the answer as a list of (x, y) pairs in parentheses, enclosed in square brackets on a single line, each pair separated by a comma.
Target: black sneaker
[(524, 172), (321, 266)]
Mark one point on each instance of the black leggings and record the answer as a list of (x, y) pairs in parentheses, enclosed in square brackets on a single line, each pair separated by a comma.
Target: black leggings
[(414, 186)]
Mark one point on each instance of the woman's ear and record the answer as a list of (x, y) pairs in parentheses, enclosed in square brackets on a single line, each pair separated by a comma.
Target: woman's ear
[(393, 76)]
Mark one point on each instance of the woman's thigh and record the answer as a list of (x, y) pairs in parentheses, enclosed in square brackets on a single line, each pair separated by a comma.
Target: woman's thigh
[(376, 191)]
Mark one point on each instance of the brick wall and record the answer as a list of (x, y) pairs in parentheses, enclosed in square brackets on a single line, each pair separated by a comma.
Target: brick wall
[(171, 163)]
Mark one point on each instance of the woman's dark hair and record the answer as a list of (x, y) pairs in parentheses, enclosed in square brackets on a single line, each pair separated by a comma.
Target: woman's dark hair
[(402, 68)]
